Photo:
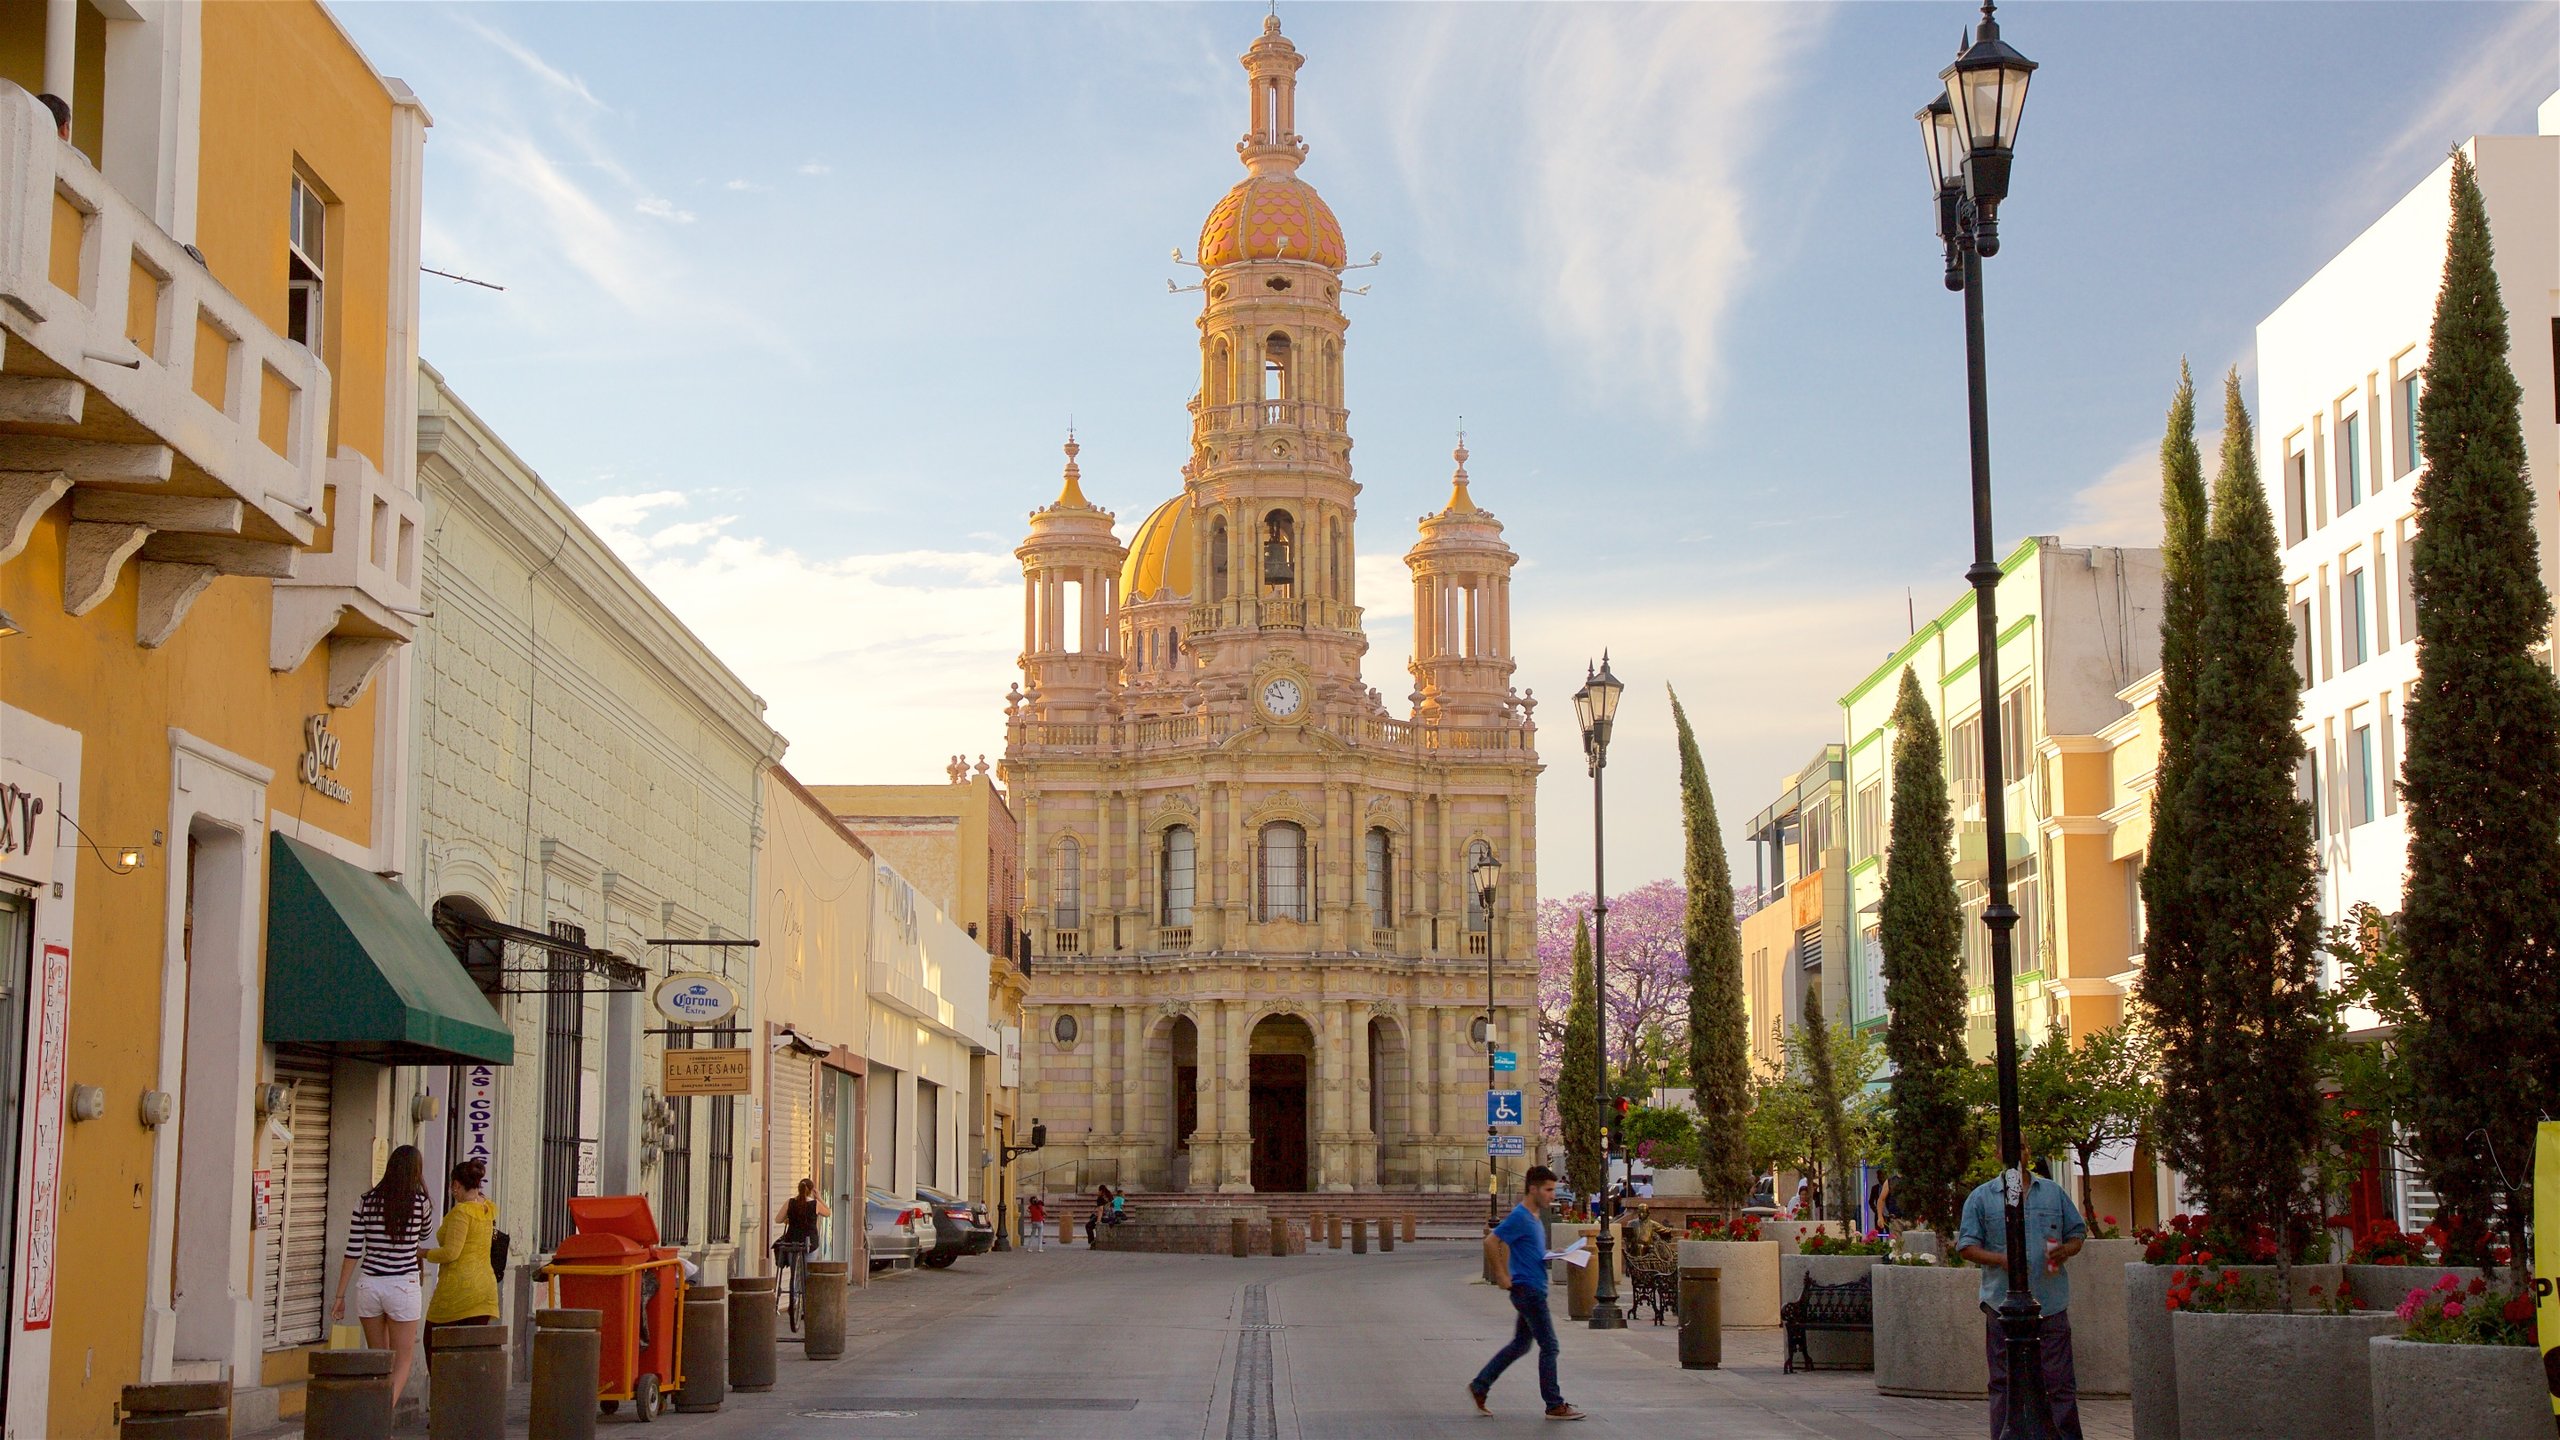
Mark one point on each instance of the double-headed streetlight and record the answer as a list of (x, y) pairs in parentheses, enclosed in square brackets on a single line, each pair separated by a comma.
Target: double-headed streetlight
[(1486, 874), (1596, 706), (1971, 131)]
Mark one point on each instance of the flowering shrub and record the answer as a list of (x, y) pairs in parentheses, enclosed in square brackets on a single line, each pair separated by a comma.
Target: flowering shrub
[(2105, 1228), (1900, 1254), (1740, 1227), (1823, 1242), (2214, 1290), (2200, 1240), (2452, 1313), (2388, 1244)]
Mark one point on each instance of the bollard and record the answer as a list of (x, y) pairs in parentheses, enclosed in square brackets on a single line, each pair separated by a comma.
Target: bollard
[(1333, 1232), (705, 1358), (1279, 1236), (1408, 1227), (178, 1410), (825, 1332), (1701, 1317), (1582, 1285), (1359, 1236), (752, 1317), (467, 1383), (1386, 1234), (349, 1397), (567, 1347), (1063, 1231), (1239, 1236)]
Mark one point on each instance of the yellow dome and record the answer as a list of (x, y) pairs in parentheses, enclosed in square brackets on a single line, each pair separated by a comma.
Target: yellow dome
[(1255, 219), (1159, 554)]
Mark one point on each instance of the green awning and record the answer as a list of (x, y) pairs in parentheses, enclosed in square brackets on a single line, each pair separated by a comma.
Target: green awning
[(353, 964)]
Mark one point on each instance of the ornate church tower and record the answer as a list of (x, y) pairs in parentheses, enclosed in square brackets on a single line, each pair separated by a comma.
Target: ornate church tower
[(1258, 961)]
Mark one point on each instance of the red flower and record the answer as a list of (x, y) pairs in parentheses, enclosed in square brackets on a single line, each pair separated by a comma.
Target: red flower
[(2479, 1286), (2517, 1310)]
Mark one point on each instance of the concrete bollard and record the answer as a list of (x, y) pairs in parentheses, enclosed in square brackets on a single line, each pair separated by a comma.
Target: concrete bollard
[(1386, 1235), (752, 1319), (467, 1384), (1279, 1237), (1408, 1227), (826, 1297), (568, 1345), (349, 1397), (706, 1350), (177, 1410), (1701, 1317), (1239, 1237), (1063, 1231), (1333, 1232), (1359, 1236)]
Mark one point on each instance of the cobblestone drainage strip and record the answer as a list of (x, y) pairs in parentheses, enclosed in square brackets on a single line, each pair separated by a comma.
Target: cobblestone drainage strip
[(869, 1407), (1251, 1411)]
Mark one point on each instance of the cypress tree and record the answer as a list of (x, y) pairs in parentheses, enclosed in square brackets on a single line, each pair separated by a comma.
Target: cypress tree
[(2482, 773), (1578, 1074), (1922, 932), (2168, 992), (2251, 878), (1822, 1075), (1719, 1025)]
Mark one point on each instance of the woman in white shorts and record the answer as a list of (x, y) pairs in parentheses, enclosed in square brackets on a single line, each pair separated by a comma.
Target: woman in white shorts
[(382, 1268)]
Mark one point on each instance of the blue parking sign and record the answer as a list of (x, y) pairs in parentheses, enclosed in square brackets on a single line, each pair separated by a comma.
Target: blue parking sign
[(1502, 1107), (1506, 1059), (1506, 1145)]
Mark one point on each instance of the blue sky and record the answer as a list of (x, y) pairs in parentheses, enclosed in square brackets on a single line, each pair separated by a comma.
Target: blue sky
[(800, 300)]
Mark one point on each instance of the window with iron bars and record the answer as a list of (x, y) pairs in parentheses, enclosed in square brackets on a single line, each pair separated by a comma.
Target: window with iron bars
[(564, 1005), (675, 1161), (724, 1125)]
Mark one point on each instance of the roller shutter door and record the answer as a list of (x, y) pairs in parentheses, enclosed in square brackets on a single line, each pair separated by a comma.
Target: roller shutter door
[(295, 1286), (792, 1125)]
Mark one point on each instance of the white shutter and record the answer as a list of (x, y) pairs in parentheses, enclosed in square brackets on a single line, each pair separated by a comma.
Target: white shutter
[(792, 1118), (293, 1291)]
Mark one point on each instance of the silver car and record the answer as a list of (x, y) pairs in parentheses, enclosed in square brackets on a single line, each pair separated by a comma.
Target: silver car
[(898, 1233)]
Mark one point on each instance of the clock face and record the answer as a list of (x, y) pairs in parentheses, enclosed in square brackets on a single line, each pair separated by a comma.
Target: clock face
[(1282, 697)]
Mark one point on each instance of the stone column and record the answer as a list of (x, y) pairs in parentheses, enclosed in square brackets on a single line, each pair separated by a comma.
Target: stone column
[(1332, 1081), (1363, 1096), (1235, 1169), (1137, 1136), (1205, 1147), (1104, 1025)]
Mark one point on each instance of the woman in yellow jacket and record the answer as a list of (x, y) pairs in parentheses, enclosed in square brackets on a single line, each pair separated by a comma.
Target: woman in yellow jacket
[(466, 1287)]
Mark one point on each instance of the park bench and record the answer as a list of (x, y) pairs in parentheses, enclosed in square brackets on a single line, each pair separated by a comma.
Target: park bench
[(1849, 1307), (1653, 1269)]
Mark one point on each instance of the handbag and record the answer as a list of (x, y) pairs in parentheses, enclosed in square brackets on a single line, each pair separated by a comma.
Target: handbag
[(499, 1245), (346, 1335)]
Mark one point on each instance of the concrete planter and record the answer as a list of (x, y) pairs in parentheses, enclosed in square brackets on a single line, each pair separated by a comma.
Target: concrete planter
[(2099, 1357), (2259, 1375), (1749, 1288), (1929, 1332), (1790, 1233), (2151, 1359), (1920, 1242), (1830, 1347), (2480, 1392), (2383, 1287)]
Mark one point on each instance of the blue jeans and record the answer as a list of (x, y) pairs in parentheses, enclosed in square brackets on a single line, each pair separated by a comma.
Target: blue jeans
[(1533, 1328), (2061, 1391)]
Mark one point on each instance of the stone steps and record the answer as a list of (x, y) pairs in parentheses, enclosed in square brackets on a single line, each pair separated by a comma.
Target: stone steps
[(1434, 1209)]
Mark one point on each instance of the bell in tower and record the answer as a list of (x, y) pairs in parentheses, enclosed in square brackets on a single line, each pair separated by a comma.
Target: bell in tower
[(1279, 551)]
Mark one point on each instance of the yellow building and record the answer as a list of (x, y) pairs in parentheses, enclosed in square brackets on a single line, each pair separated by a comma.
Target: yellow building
[(208, 567), (1258, 963)]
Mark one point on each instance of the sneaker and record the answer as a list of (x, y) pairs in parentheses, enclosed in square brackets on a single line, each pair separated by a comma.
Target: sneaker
[(1478, 1396), (1564, 1412)]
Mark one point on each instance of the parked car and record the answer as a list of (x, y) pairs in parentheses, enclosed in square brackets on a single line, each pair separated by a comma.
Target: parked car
[(897, 1230), (960, 1228)]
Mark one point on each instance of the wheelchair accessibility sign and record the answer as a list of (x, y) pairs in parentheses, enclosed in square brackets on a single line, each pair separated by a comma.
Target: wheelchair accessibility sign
[(1502, 1107)]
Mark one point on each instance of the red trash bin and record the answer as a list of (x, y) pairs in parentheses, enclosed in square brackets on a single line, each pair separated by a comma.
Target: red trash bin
[(615, 1265)]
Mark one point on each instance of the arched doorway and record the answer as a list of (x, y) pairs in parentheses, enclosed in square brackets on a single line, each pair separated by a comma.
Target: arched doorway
[(1283, 1056), (1390, 1102), (1178, 1081)]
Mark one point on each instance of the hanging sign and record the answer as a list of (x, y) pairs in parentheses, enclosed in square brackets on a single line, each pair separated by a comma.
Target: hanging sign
[(480, 1113), (695, 997), (44, 1180), (708, 1072), (1506, 1059), (28, 829)]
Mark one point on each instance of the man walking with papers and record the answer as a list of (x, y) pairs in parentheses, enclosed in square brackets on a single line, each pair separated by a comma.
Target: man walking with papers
[(1525, 1232)]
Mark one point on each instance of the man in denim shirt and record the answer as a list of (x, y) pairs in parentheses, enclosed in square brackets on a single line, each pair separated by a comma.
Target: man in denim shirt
[(2055, 1233), (1525, 1231)]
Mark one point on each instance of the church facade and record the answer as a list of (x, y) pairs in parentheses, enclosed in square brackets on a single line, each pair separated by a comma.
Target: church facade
[(1259, 962)]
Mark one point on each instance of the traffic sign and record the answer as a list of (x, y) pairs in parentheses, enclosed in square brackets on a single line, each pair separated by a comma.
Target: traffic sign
[(1506, 1059), (1502, 1107), (1506, 1145)]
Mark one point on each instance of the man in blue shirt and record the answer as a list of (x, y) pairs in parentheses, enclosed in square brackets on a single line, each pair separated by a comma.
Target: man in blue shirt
[(1524, 1230), (2055, 1233)]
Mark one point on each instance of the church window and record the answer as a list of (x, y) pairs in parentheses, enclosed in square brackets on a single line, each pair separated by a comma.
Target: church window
[(1380, 865), (1333, 563), (1280, 552), (1284, 872), (1177, 867), (1221, 370), (1067, 886), (1217, 559), (1275, 369), (1478, 921)]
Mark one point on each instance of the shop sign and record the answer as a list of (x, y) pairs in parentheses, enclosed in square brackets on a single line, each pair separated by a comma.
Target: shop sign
[(262, 1199), (709, 1072), (320, 758), (695, 997), (29, 800), (480, 1113), (1009, 1068), (44, 1180)]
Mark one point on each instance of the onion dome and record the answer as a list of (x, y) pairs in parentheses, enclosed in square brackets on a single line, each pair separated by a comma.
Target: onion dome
[(1159, 555), (1272, 217)]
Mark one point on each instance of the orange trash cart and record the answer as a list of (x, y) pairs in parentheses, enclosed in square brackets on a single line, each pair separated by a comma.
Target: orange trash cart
[(615, 1265)]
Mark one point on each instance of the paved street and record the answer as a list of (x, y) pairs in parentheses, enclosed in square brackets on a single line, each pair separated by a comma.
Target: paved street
[(1068, 1344)]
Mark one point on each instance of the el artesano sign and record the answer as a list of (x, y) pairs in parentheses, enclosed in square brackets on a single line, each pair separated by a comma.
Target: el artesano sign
[(27, 824)]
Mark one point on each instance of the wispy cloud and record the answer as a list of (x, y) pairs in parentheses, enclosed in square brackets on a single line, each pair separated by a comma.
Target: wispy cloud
[(2510, 71), (816, 167), (1596, 156), (523, 55), (664, 209)]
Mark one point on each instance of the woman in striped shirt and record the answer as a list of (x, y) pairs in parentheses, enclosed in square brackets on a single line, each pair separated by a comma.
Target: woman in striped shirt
[(382, 1266)]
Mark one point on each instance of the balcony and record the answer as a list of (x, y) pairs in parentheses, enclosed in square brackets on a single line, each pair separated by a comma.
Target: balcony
[(1174, 938), (1210, 421), (1066, 942), (1479, 944), (1273, 612)]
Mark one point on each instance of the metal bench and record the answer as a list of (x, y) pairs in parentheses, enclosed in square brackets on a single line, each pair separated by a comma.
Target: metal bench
[(1653, 1269), (1849, 1307)]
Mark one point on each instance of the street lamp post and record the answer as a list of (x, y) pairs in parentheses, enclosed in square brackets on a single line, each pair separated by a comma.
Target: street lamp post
[(1596, 706), (1971, 131), (1487, 876)]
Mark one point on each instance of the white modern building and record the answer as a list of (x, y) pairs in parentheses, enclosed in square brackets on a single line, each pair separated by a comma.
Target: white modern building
[(2341, 364)]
